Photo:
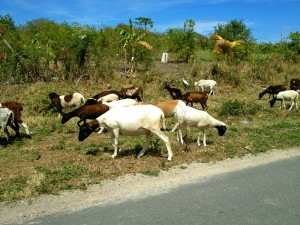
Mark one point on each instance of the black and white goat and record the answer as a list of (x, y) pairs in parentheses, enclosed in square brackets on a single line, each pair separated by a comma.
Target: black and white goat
[(6, 119), (289, 95)]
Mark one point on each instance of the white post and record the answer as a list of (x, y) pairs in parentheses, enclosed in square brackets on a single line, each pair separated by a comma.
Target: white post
[(165, 57)]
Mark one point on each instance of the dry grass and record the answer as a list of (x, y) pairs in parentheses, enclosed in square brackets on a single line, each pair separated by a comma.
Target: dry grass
[(54, 159)]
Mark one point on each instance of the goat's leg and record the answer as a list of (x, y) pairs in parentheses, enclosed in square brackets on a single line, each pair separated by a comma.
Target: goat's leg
[(165, 139), (26, 128), (291, 105), (199, 139), (15, 126), (6, 133), (204, 138), (115, 141), (146, 145)]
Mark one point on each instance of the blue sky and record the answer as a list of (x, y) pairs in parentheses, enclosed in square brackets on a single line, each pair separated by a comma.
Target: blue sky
[(269, 20)]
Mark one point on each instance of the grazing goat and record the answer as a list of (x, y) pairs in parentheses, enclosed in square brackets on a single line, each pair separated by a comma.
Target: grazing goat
[(174, 92), (272, 90), (289, 95), (295, 84), (108, 98), (132, 121), (6, 119), (17, 109), (196, 97), (63, 101), (206, 85), (132, 92), (85, 112), (201, 120), (94, 99), (121, 103)]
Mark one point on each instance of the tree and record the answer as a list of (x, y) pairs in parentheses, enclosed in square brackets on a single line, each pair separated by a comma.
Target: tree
[(144, 22), (131, 39), (183, 41), (234, 30)]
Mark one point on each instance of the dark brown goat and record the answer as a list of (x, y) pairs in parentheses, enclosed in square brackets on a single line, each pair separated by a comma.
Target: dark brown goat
[(132, 92), (196, 97), (85, 112), (174, 92), (272, 90), (17, 108), (295, 84)]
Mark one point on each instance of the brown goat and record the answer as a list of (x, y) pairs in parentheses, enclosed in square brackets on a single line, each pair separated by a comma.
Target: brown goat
[(272, 90), (85, 112), (17, 108), (132, 92), (196, 97)]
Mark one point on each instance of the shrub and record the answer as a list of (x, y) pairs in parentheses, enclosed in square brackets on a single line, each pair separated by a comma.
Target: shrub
[(238, 108)]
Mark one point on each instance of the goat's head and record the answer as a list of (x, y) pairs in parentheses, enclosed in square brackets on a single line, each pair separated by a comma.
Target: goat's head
[(53, 95), (86, 129), (221, 129)]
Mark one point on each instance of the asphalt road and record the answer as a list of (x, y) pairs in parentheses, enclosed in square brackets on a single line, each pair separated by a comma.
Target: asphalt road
[(265, 194)]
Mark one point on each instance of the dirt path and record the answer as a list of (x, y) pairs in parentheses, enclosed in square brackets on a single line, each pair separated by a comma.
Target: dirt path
[(130, 185)]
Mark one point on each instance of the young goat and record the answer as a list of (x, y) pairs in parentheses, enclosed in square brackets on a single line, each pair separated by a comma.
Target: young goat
[(132, 121), (132, 92), (272, 90), (85, 112), (108, 98), (206, 85), (63, 101), (17, 109), (174, 92), (289, 95), (195, 97), (6, 119), (201, 120)]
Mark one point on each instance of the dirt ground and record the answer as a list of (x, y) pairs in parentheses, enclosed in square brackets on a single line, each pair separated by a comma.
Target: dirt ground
[(130, 185)]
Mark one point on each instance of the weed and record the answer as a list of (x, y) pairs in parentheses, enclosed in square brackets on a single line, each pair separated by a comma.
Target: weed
[(154, 173)]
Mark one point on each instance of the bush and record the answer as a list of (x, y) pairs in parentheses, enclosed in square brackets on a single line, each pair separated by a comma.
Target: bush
[(238, 108)]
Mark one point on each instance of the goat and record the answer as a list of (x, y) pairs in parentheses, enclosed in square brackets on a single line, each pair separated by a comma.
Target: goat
[(109, 98), (272, 90), (171, 108), (121, 103), (289, 95), (6, 119), (132, 121), (174, 92), (85, 112), (295, 84), (132, 92), (196, 97), (201, 120), (206, 84), (72, 100), (17, 109), (95, 98)]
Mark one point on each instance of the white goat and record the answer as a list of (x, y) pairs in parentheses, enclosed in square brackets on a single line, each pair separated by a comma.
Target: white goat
[(121, 103), (6, 119), (289, 95), (132, 121), (201, 120), (108, 98), (206, 84)]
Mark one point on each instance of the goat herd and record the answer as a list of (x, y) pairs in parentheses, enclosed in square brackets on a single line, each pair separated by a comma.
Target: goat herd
[(124, 112)]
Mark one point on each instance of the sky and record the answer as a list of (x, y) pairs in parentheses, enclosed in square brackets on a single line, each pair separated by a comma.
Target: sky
[(269, 20)]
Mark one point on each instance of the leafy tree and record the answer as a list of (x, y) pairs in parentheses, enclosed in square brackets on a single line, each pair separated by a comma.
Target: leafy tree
[(183, 41), (144, 22)]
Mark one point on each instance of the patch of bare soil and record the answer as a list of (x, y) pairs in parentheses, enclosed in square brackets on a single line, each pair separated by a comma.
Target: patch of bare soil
[(130, 185)]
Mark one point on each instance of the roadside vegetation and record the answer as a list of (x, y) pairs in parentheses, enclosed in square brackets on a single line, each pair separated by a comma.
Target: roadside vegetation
[(42, 56)]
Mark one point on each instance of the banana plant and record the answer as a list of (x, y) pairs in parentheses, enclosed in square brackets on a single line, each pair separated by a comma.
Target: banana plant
[(223, 46), (131, 39)]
